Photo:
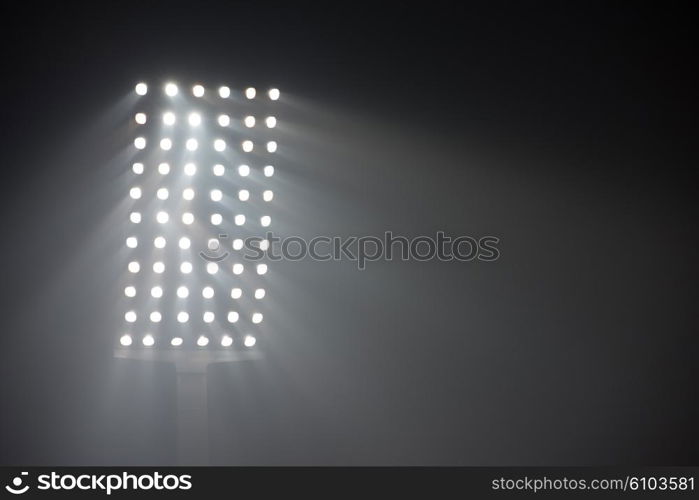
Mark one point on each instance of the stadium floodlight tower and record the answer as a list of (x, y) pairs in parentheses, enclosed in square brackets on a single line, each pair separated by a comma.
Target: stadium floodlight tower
[(199, 196)]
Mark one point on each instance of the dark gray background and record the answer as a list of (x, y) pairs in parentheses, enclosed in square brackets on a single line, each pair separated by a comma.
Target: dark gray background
[(568, 131)]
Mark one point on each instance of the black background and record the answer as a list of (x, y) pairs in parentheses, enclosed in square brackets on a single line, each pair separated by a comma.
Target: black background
[(566, 130)]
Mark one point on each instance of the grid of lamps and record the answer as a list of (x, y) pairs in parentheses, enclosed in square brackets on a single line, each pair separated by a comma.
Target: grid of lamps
[(199, 197)]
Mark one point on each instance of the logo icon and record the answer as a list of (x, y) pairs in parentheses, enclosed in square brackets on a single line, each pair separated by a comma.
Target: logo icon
[(17, 482)]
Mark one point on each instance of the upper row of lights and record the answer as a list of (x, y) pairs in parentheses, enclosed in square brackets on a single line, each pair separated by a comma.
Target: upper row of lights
[(199, 91)]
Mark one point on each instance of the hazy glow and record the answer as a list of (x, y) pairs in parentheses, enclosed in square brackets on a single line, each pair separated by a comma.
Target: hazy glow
[(233, 317), (140, 118), (271, 147), (216, 195), (131, 242), (137, 168), (135, 217), (271, 122), (250, 93), (139, 143), (198, 91), (243, 195), (164, 168), (188, 194), (126, 340), (269, 171), (249, 341), (186, 267), (243, 170), (236, 293), (162, 194), (187, 218), (134, 267), (216, 219), (274, 94), (226, 341), (141, 89), (224, 92), (190, 169), (219, 169), (224, 120), (148, 340), (249, 121), (192, 144), (171, 89), (169, 118), (247, 146), (159, 242)]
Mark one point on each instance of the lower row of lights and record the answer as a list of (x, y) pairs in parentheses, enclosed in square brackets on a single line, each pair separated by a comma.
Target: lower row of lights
[(203, 341)]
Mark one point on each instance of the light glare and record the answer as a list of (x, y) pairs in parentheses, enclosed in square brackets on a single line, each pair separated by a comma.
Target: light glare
[(141, 89)]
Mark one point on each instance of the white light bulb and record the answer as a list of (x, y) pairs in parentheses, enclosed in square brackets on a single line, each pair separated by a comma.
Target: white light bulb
[(159, 242), (176, 342), (212, 268), (271, 122), (274, 94), (182, 292), (224, 92), (260, 293), (249, 341), (261, 269), (164, 168), (162, 217), (202, 341), (272, 147), (155, 317), (219, 145), (188, 194), (186, 267), (190, 169), (139, 142), (236, 293), (192, 144), (238, 269), (243, 195), (219, 170), (233, 317), (194, 119), (169, 118), (184, 243), (171, 89), (126, 340), (158, 267), (264, 245), (208, 317), (156, 292), (162, 194), (140, 118), (198, 91), (247, 146), (265, 220), (130, 316), (131, 242), (216, 219), (257, 318), (134, 267), (226, 341), (135, 217), (239, 220), (148, 340), (237, 244), (165, 144), (137, 168), (224, 120), (182, 317), (267, 195), (249, 121), (250, 93), (207, 292), (130, 291), (135, 193), (243, 170), (216, 195), (141, 88), (269, 171), (187, 218)]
